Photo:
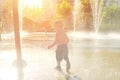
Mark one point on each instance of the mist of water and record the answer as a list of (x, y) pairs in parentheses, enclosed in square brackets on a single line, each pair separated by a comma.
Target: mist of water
[(92, 35), (76, 6), (97, 11)]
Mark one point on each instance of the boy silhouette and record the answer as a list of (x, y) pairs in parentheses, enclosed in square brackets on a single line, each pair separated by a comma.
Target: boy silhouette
[(61, 41)]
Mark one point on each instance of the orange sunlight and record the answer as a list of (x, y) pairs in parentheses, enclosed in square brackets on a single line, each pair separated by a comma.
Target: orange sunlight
[(32, 3)]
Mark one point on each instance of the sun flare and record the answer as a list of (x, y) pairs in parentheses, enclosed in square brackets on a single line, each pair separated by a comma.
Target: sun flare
[(32, 3)]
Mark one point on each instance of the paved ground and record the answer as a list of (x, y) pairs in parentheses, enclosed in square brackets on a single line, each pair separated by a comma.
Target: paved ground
[(41, 63), (101, 63)]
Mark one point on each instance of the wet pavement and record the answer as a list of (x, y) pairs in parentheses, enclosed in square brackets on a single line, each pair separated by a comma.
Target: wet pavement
[(97, 62)]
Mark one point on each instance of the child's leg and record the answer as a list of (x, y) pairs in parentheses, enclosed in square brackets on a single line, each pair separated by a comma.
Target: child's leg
[(66, 58), (58, 59), (67, 63), (58, 62), (58, 67)]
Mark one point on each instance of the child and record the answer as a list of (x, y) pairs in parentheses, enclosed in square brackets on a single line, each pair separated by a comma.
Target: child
[(61, 42)]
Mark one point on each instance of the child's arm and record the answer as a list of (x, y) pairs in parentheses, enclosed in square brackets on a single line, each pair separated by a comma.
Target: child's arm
[(66, 37), (54, 43)]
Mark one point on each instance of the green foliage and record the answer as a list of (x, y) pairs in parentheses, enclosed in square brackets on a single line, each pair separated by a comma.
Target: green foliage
[(85, 14), (112, 13), (111, 19), (64, 8)]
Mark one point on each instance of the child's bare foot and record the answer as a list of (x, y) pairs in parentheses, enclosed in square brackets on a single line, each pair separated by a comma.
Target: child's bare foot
[(68, 70)]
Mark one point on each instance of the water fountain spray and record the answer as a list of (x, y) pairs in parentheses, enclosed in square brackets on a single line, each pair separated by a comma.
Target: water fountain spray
[(97, 11), (75, 10)]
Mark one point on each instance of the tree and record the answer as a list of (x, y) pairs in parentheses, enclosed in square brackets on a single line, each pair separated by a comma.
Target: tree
[(86, 14), (6, 16), (33, 13), (111, 18), (64, 9), (112, 13)]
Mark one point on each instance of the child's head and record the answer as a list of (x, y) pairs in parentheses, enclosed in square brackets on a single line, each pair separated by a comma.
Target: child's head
[(58, 24)]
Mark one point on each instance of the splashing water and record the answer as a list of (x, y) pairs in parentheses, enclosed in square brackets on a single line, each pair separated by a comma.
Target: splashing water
[(97, 11), (76, 6)]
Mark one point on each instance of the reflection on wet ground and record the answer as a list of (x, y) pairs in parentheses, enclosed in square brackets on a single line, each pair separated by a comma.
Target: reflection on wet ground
[(90, 60)]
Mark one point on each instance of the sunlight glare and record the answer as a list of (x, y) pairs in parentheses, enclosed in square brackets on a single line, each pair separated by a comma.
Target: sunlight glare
[(32, 3), (8, 74)]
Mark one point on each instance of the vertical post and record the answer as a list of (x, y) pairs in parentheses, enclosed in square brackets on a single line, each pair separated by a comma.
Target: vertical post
[(17, 39)]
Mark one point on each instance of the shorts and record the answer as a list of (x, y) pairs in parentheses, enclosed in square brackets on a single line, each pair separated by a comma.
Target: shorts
[(62, 52)]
